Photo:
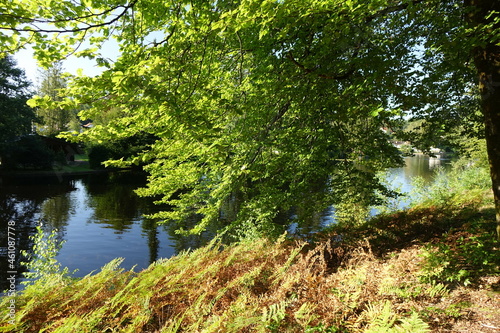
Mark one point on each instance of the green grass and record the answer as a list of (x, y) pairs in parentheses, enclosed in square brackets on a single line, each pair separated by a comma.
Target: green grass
[(82, 157), (80, 165), (73, 169)]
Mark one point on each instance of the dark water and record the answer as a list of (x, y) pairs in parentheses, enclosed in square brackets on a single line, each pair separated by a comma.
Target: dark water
[(99, 218)]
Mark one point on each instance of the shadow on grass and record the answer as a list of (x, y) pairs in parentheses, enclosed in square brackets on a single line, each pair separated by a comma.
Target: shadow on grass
[(460, 243)]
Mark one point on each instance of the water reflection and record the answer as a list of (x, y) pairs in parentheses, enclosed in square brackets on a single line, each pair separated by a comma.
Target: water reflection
[(399, 179), (112, 202), (99, 216), (21, 205), (416, 166), (313, 222)]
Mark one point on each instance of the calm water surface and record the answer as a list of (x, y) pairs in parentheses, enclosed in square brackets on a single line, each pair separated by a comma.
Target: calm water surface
[(100, 218)]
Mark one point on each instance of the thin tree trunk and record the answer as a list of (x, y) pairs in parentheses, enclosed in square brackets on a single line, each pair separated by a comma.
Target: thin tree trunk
[(487, 61)]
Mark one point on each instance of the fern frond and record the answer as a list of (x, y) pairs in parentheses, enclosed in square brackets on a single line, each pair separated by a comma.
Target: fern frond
[(305, 314), (437, 290), (412, 324), (275, 313), (381, 317)]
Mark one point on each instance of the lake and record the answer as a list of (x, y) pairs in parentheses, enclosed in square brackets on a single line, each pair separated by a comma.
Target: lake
[(99, 218)]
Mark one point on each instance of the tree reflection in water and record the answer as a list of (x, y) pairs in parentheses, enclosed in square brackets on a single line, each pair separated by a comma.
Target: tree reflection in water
[(22, 204), (83, 210)]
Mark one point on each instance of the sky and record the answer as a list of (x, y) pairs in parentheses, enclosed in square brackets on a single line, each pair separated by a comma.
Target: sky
[(71, 65)]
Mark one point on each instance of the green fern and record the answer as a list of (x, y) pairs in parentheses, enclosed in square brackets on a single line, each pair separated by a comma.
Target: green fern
[(437, 290), (385, 320), (274, 314), (412, 324), (382, 318), (305, 314)]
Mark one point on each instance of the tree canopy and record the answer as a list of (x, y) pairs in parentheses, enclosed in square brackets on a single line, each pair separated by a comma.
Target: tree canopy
[(15, 115), (57, 120), (279, 103)]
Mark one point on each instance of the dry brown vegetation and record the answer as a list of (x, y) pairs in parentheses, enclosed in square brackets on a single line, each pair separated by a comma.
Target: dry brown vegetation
[(406, 272)]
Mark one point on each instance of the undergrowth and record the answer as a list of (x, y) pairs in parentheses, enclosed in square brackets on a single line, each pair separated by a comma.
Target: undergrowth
[(256, 287)]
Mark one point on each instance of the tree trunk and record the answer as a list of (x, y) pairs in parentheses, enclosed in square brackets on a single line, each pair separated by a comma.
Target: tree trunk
[(487, 62), (490, 101)]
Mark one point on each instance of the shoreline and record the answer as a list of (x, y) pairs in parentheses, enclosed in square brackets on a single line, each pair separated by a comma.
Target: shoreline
[(76, 168)]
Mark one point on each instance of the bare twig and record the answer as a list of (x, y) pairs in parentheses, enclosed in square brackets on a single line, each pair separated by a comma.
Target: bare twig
[(36, 29)]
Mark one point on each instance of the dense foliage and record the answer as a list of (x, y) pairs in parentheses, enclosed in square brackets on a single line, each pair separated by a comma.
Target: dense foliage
[(28, 152), (15, 115), (281, 103)]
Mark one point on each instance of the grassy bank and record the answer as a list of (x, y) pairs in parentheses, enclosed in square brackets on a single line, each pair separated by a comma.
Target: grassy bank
[(432, 268), (80, 166)]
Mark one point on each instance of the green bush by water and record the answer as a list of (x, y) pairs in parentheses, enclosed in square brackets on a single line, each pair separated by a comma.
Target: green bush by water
[(465, 180)]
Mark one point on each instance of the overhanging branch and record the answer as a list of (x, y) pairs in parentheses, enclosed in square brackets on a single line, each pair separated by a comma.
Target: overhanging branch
[(81, 19)]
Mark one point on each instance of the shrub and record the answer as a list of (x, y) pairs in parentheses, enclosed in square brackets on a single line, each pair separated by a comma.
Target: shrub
[(29, 152), (463, 182), (100, 153), (42, 264), (463, 256)]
